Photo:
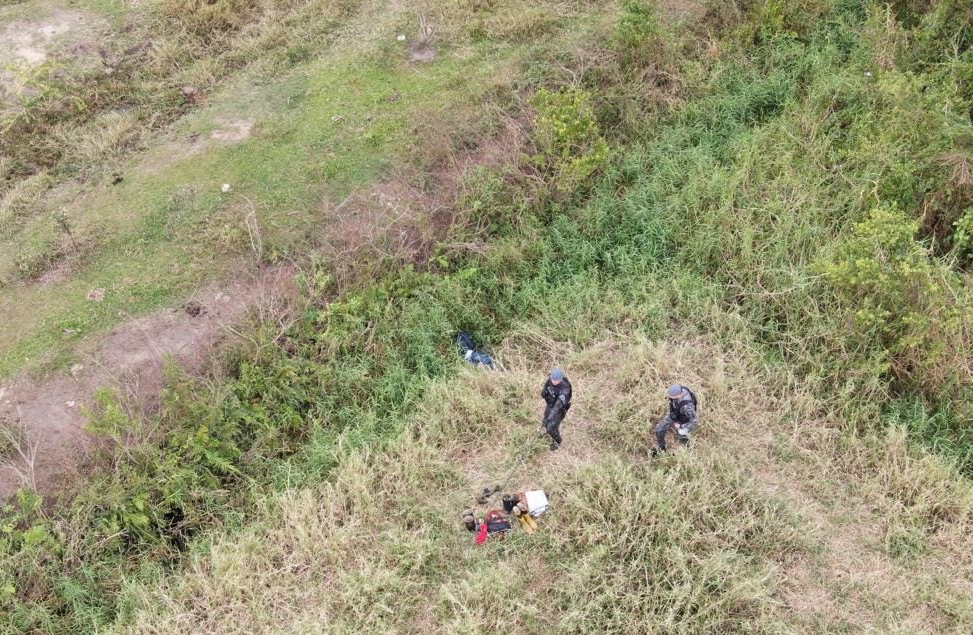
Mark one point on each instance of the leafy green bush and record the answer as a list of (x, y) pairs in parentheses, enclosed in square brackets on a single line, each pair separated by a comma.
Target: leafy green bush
[(900, 298), (638, 32), (963, 235), (568, 137)]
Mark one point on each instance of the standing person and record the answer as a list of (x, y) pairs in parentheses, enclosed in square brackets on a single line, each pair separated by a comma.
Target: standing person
[(557, 395), (681, 416)]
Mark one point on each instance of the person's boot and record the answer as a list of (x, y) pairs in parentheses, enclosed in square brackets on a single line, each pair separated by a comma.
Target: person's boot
[(657, 451), (684, 441), (554, 445)]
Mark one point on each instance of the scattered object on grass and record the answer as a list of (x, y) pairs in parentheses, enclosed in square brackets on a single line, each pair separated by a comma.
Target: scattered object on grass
[(96, 295), (509, 502), (484, 498), (468, 345), (536, 501), (527, 523), (400, 38), (469, 520), (497, 523), (226, 188)]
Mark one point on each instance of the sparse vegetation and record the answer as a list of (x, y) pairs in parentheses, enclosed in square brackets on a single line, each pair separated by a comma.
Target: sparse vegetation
[(765, 200)]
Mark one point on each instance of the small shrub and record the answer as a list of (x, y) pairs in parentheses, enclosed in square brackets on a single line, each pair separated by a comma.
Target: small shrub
[(963, 236), (897, 294), (23, 200), (31, 263), (638, 33), (568, 135), (108, 417), (492, 203)]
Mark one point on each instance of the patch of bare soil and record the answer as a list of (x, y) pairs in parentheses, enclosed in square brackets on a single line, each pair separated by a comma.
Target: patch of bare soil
[(232, 131), (57, 274), (229, 131), (27, 44), (131, 360), (398, 220), (421, 51)]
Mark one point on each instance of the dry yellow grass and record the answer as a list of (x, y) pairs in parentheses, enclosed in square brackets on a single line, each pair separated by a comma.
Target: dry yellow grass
[(776, 521)]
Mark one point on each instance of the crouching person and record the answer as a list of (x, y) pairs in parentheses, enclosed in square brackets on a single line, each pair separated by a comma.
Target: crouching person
[(682, 417)]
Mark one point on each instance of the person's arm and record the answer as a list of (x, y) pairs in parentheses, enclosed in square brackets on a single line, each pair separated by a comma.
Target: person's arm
[(557, 410), (690, 411)]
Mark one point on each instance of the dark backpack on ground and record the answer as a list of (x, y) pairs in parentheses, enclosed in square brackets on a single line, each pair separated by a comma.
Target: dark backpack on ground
[(465, 341)]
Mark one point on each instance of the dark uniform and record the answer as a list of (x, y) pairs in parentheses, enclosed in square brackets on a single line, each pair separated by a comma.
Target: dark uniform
[(558, 399), (683, 412)]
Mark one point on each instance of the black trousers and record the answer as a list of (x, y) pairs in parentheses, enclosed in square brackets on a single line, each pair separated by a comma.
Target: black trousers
[(553, 424)]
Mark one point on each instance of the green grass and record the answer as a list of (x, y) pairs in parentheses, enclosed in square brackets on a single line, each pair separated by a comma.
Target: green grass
[(315, 484), (323, 130), (151, 222)]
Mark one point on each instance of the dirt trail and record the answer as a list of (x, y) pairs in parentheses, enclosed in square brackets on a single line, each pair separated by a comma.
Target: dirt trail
[(49, 413), (390, 220)]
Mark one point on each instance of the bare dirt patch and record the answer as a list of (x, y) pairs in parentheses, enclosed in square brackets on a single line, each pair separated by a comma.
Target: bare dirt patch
[(228, 132), (57, 274), (29, 43), (420, 51), (402, 218), (130, 360), (232, 131)]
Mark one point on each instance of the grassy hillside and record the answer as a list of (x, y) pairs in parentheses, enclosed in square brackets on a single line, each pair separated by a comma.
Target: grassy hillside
[(767, 526), (294, 105), (768, 201)]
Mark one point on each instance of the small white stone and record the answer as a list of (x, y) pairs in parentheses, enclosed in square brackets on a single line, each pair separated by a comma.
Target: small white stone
[(76, 369), (400, 38), (70, 404), (226, 187)]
